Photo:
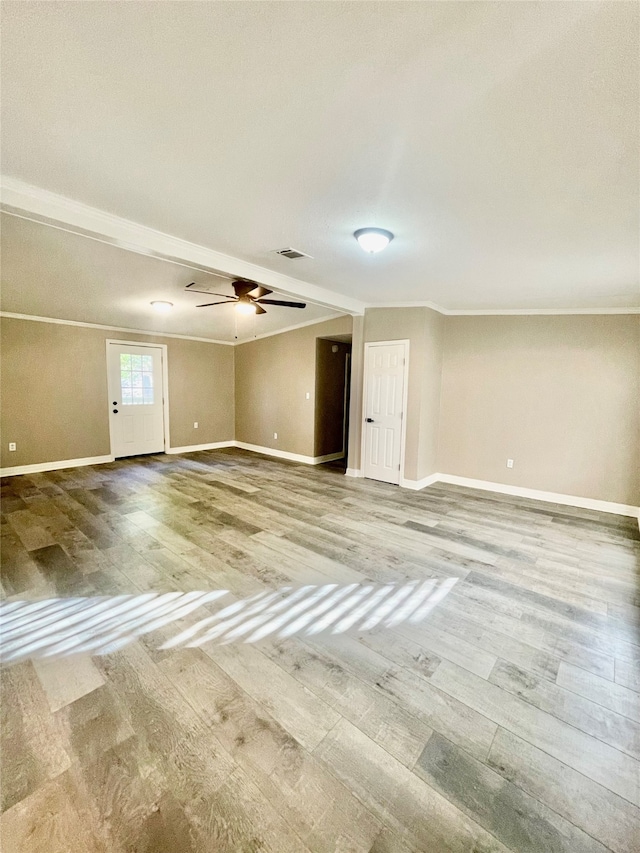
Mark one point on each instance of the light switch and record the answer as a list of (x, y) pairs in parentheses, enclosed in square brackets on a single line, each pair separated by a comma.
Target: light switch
[(195, 424), (275, 435), (307, 396)]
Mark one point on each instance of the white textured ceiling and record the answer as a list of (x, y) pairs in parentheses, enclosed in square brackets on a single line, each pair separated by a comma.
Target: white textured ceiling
[(499, 141), (48, 272)]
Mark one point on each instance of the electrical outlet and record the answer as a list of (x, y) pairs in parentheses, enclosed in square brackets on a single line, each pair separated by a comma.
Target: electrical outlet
[(275, 435), (195, 424), (12, 445), (509, 463)]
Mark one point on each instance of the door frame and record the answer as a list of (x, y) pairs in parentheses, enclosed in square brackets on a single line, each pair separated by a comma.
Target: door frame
[(165, 386), (405, 396), (345, 409)]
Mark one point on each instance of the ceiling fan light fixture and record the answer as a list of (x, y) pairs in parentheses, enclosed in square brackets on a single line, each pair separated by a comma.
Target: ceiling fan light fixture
[(162, 307), (245, 306), (373, 239)]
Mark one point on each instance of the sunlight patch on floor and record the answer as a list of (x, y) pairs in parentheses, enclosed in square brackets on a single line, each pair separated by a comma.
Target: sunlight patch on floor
[(59, 627)]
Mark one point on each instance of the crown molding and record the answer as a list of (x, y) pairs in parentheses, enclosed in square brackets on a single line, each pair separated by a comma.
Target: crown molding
[(12, 316), (502, 312), (531, 312), (287, 329), (38, 205), (50, 208), (416, 304)]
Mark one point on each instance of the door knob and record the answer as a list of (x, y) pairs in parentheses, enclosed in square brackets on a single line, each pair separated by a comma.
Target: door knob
[(369, 420), (115, 411)]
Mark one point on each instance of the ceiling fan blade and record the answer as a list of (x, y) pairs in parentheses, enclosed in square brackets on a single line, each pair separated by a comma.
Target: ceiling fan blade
[(259, 291), (280, 302), (208, 304), (242, 286), (259, 310)]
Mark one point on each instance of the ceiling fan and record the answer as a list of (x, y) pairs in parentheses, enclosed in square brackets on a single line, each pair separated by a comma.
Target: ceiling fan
[(249, 297)]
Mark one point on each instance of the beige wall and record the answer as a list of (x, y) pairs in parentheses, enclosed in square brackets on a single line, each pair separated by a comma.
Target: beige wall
[(423, 328), (272, 377), (54, 391), (558, 394), (430, 392)]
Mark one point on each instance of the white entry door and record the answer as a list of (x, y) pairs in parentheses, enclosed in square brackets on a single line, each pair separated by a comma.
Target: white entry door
[(136, 408), (384, 386)]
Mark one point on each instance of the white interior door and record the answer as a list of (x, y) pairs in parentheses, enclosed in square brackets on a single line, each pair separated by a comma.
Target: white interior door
[(384, 383), (136, 408)]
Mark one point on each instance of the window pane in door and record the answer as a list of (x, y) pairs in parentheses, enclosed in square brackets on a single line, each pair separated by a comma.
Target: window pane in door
[(136, 380)]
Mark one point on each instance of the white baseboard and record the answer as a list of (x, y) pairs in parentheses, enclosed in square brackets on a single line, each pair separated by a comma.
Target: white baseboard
[(416, 485), (256, 448), (328, 457), (539, 495), (194, 448), (39, 467), (278, 454)]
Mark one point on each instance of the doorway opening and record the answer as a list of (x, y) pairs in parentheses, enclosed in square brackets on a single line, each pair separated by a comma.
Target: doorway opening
[(333, 385), (138, 398)]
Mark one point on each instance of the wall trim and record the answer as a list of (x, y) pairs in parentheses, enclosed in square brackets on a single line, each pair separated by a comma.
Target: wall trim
[(284, 454), (324, 319), (416, 485), (12, 316), (278, 454), (498, 312), (55, 320), (538, 495), (40, 467), (328, 457), (421, 303), (194, 448), (27, 201)]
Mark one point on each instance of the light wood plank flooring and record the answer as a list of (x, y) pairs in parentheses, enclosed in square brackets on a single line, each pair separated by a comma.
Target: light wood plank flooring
[(221, 652)]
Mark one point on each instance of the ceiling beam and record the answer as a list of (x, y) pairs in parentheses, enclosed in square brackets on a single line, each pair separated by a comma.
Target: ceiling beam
[(20, 198)]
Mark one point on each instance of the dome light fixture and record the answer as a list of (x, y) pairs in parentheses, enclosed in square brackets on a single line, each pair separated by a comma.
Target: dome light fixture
[(162, 307), (373, 239)]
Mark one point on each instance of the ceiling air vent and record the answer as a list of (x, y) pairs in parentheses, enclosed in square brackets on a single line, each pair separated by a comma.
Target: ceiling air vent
[(292, 253)]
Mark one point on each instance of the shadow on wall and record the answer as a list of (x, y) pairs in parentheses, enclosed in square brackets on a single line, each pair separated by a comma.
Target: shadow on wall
[(59, 627), (333, 382)]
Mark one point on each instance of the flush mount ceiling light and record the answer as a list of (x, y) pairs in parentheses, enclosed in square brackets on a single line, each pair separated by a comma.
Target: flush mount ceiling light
[(373, 239), (162, 307)]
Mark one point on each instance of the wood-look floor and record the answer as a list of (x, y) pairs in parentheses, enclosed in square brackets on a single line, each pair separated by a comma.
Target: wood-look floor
[(508, 718)]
